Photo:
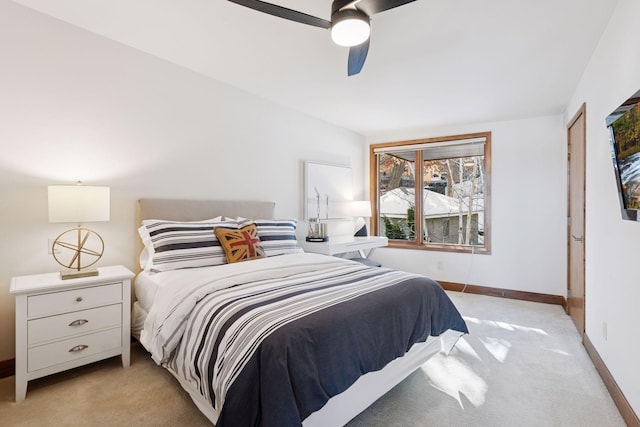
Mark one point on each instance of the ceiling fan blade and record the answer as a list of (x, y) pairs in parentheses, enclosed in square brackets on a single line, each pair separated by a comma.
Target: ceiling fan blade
[(283, 12), (371, 7), (357, 56)]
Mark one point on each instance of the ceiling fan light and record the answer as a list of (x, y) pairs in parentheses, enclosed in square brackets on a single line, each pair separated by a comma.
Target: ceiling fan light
[(349, 27)]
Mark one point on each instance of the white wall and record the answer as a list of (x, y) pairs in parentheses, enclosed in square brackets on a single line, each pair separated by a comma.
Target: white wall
[(74, 105), (528, 211), (612, 245)]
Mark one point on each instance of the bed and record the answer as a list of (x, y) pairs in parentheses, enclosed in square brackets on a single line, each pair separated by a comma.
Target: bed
[(283, 338)]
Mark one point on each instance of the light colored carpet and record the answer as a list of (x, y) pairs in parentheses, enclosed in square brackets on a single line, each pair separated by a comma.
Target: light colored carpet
[(522, 364)]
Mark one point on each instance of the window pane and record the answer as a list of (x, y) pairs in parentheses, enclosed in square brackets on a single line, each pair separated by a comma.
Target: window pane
[(453, 203), (396, 183)]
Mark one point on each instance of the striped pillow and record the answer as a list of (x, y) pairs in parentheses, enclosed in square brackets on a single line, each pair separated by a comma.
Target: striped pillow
[(173, 245), (277, 236)]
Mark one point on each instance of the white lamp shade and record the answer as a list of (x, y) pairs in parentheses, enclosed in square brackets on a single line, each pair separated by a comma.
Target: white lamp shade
[(361, 208), (78, 203)]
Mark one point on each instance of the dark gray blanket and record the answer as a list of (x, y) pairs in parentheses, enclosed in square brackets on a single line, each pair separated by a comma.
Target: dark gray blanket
[(302, 364)]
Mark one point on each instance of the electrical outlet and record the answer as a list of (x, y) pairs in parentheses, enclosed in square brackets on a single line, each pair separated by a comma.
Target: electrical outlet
[(439, 265), (604, 330)]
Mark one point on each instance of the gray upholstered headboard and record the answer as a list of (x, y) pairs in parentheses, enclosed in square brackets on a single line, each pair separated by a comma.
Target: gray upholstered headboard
[(196, 210)]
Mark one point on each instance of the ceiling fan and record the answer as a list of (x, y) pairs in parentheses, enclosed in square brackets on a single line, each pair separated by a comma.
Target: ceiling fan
[(349, 23)]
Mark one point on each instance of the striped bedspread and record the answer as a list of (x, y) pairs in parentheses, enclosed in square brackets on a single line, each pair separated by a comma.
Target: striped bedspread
[(269, 341)]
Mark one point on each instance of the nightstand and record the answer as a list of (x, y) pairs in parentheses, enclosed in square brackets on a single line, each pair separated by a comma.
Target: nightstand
[(62, 324)]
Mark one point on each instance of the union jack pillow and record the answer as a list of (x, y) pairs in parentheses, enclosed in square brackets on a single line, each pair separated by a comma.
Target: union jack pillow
[(240, 244)]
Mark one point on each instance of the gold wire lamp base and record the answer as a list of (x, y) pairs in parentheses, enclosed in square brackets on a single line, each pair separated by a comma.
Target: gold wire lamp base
[(78, 249)]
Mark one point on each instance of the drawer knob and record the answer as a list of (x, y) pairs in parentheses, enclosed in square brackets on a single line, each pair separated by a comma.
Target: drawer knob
[(79, 299), (78, 322), (78, 348)]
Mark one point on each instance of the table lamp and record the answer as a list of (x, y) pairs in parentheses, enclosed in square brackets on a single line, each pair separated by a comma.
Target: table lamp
[(79, 247), (359, 210)]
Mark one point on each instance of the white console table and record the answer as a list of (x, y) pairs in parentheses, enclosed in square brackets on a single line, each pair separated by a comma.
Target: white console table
[(343, 244)]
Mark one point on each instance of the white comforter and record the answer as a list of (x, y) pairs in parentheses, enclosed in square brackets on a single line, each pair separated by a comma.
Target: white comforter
[(182, 289)]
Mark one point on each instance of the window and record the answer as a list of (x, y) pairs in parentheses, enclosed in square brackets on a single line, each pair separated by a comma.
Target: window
[(445, 181)]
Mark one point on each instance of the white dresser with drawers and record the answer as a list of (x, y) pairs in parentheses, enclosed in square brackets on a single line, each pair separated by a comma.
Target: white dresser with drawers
[(62, 324)]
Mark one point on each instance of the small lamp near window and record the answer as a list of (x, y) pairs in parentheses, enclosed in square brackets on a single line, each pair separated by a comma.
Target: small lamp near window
[(80, 247), (360, 210)]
